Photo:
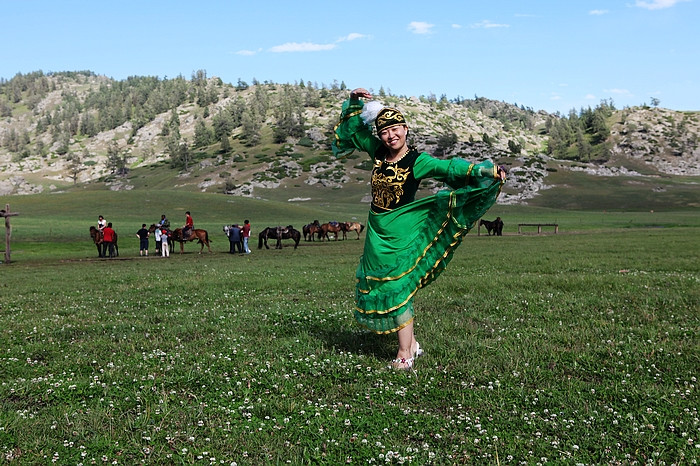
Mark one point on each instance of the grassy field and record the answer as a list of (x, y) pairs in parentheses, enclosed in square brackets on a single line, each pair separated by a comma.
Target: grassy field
[(576, 348)]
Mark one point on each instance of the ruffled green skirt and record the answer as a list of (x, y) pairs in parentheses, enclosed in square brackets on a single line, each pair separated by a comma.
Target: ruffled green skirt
[(408, 247)]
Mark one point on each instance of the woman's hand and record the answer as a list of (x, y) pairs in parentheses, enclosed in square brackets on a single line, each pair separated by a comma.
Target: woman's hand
[(501, 173), (360, 92)]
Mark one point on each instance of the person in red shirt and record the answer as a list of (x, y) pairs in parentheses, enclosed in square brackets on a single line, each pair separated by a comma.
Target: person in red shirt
[(246, 236), (189, 225), (109, 237)]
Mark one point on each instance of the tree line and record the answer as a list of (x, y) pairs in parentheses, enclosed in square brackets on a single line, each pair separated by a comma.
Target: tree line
[(138, 100), (106, 104)]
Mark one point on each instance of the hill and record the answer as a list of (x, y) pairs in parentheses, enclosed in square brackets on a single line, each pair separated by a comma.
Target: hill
[(80, 130)]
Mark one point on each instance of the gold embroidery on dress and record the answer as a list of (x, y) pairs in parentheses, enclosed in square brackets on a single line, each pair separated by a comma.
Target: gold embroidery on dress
[(387, 188)]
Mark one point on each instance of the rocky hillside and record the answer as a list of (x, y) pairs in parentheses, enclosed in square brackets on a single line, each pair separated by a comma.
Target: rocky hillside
[(75, 129)]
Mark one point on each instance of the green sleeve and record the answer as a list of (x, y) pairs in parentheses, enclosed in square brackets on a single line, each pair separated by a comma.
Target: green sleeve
[(457, 173), (352, 133)]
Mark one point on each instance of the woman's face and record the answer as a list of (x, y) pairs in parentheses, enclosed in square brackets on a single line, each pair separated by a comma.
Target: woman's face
[(395, 137)]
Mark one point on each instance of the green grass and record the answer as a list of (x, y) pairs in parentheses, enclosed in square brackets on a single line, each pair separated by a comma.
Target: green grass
[(578, 191), (573, 348)]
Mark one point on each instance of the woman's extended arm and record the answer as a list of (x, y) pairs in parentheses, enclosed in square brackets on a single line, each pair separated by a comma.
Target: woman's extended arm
[(456, 172)]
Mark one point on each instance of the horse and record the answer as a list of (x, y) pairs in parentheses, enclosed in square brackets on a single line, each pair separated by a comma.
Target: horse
[(198, 234), (331, 227), (357, 227), (98, 239), (279, 234), (495, 227), (311, 229)]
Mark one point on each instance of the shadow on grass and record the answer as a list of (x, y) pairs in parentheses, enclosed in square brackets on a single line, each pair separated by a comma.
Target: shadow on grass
[(359, 341)]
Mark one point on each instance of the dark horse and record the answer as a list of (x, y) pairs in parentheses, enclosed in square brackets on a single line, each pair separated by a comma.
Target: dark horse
[(495, 227), (279, 234), (312, 229), (198, 234), (98, 239)]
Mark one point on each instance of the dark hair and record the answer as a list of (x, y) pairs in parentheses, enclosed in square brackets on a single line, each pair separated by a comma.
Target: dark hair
[(109, 224), (143, 226)]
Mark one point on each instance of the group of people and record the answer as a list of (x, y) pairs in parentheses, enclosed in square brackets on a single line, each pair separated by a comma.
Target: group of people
[(162, 234), (238, 237), (109, 237)]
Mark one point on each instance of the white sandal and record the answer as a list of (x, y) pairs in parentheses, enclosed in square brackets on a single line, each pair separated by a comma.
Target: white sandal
[(419, 351), (396, 363)]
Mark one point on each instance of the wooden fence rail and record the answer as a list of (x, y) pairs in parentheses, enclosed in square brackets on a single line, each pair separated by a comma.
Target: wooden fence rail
[(539, 227)]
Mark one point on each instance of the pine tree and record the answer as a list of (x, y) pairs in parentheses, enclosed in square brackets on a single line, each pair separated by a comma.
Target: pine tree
[(202, 134)]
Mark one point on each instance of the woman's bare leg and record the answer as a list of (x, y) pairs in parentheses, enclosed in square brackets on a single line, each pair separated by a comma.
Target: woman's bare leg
[(407, 344)]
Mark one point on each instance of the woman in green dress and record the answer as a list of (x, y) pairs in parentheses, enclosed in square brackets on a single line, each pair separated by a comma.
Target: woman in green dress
[(409, 242)]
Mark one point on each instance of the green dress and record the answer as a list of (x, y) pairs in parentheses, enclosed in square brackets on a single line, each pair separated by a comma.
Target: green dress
[(409, 242)]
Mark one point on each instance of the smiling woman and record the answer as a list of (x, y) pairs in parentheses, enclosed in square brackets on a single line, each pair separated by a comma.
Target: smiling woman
[(408, 243)]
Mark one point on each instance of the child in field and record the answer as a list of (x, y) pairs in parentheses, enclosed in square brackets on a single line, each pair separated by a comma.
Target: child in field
[(164, 248)]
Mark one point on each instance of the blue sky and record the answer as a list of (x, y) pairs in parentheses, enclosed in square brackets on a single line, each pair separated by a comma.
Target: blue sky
[(553, 55)]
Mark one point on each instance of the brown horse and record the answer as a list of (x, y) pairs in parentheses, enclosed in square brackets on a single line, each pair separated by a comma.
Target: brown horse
[(98, 239), (312, 229), (334, 228), (198, 234), (357, 227)]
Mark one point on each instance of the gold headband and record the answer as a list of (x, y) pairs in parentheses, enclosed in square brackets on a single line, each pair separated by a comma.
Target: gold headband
[(387, 118)]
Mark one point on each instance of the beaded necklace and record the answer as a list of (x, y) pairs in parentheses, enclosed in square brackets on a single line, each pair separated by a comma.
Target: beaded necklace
[(398, 159)]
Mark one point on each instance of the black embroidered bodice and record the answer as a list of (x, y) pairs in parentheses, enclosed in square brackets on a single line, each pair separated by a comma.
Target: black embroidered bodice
[(393, 183)]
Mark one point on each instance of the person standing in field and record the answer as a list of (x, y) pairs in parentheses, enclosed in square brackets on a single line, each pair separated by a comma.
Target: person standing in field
[(234, 238), (246, 236), (143, 235), (164, 247), (158, 236), (409, 242), (109, 236)]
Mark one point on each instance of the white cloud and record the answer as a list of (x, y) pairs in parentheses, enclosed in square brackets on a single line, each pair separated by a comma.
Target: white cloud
[(456, 26), (486, 24), (301, 47), (657, 4), (419, 27), (246, 52), (598, 12), (352, 36), (590, 97)]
